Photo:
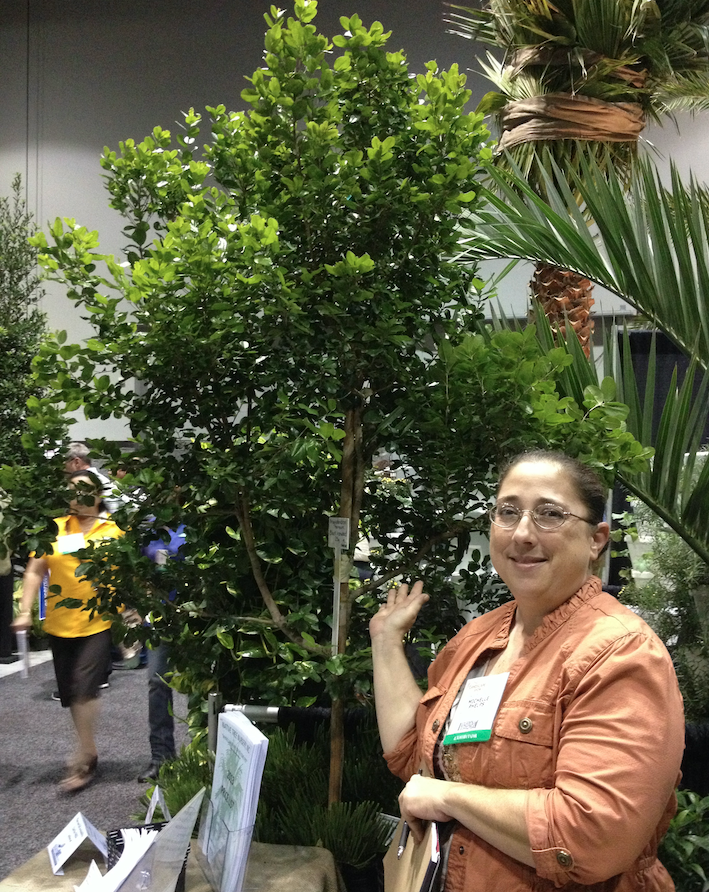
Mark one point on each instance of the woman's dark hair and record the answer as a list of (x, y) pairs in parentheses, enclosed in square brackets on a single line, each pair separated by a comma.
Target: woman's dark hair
[(589, 486), (95, 480)]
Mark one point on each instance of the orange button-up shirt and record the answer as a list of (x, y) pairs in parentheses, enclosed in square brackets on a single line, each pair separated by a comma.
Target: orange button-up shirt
[(591, 723)]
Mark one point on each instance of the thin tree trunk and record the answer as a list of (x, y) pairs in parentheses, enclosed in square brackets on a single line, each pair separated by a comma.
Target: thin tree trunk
[(350, 500)]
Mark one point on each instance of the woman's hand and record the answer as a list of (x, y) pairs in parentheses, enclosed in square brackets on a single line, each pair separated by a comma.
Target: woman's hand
[(21, 622), (395, 618), (396, 693), (420, 801), (498, 816), (31, 582)]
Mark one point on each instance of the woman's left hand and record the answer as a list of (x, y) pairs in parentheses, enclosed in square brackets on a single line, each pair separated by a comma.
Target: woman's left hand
[(422, 800)]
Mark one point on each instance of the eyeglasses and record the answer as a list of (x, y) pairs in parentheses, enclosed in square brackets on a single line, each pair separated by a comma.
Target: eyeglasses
[(546, 517)]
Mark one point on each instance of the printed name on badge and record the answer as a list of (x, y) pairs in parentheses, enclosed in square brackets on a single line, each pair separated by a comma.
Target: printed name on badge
[(473, 715)]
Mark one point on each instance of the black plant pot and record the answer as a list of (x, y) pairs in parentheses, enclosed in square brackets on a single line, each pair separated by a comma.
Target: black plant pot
[(6, 636), (364, 879), (695, 764)]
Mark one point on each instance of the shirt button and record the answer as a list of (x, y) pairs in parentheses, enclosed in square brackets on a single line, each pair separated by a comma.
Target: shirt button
[(565, 859), (525, 725), (436, 725), (461, 850)]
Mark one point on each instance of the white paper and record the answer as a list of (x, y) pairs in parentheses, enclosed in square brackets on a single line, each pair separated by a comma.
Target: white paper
[(136, 842), (151, 860), (93, 876), (225, 835), (156, 799), (68, 841), (24, 652)]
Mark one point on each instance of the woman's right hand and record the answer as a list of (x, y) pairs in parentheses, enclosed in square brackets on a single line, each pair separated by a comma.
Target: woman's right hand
[(397, 615), (21, 622)]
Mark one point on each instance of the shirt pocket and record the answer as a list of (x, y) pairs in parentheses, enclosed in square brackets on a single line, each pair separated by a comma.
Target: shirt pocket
[(432, 694), (428, 705), (523, 745)]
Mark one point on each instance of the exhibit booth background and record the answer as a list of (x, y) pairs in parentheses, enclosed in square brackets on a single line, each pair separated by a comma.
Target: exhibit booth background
[(81, 76)]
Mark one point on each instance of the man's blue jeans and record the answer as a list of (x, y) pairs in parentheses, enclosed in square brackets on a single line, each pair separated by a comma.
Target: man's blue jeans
[(160, 718)]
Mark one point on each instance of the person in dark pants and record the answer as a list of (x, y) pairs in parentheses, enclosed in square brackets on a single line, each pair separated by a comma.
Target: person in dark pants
[(7, 582), (160, 715), (80, 639), (6, 602)]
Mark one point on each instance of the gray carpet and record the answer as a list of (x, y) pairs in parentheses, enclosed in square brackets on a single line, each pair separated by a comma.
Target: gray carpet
[(36, 738)]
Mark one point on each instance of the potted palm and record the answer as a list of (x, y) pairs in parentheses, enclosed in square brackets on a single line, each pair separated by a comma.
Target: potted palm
[(581, 80)]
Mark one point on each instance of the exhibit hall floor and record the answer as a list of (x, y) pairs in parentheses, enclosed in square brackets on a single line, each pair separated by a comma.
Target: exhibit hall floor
[(36, 738)]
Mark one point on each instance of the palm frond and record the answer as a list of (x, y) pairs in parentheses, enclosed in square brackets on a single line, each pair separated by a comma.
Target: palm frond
[(654, 54), (683, 94), (670, 486), (473, 24), (513, 84), (651, 247), (507, 23)]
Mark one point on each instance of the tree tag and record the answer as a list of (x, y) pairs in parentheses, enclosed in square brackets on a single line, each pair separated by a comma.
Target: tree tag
[(338, 532)]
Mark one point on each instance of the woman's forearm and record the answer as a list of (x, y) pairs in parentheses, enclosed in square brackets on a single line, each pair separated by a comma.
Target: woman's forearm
[(31, 581), (396, 694), (495, 815)]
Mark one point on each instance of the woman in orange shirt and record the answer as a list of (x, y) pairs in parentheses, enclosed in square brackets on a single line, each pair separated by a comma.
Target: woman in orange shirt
[(552, 729), (79, 638)]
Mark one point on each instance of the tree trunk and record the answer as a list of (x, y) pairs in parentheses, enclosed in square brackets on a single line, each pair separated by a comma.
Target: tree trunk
[(701, 602), (565, 296), (350, 502)]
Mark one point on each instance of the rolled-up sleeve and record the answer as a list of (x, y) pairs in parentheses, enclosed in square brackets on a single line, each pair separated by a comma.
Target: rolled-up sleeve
[(620, 748)]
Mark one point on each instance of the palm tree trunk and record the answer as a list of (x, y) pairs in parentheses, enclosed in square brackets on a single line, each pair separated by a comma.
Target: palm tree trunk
[(566, 298)]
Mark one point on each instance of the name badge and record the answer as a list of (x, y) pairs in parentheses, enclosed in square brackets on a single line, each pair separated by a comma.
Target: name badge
[(71, 543), (473, 715)]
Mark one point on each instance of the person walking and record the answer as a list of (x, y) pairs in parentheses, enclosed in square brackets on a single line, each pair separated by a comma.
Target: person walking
[(79, 637), (166, 545)]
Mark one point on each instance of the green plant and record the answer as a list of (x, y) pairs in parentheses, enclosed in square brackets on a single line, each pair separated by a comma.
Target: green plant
[(685, 848), (183, 777), (293, 806), (674, 602), (22, 327), (308, 284), (288, 308)]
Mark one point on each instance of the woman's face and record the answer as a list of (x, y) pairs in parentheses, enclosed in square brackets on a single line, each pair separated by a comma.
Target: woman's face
[(85, 487), (543, 568)]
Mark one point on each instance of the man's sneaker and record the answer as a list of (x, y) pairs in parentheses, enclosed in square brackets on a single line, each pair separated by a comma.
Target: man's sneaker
[(102, 687), (55, 695)]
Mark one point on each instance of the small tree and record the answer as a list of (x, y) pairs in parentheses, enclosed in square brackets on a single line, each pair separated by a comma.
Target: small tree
[(22, 325), (293, 315)]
